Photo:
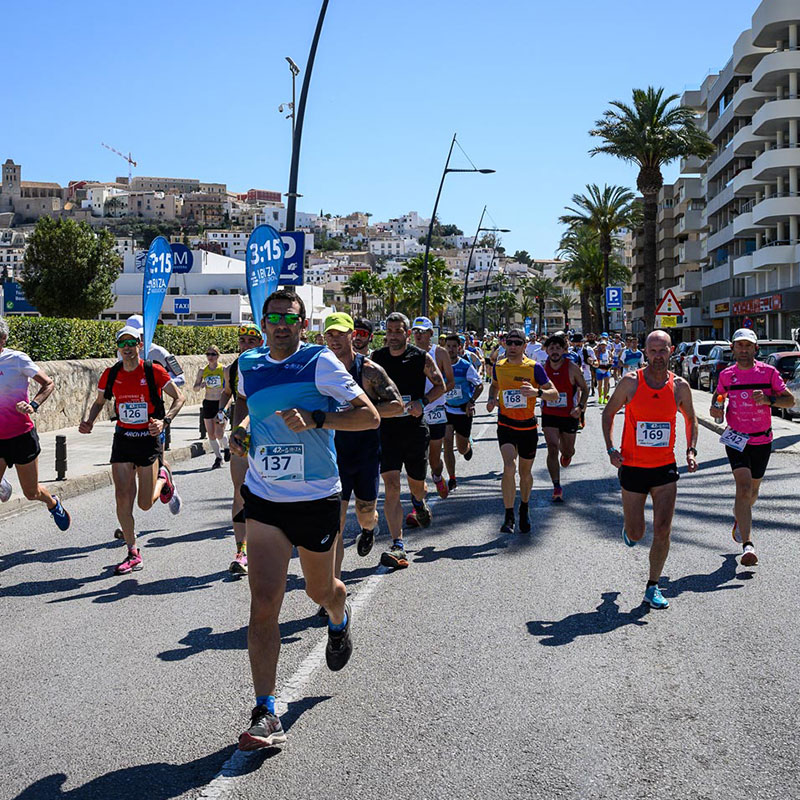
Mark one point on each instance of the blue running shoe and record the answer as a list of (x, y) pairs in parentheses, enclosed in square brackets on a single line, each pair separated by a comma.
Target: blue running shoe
[(654, 598), (60, 515), (626, 539)]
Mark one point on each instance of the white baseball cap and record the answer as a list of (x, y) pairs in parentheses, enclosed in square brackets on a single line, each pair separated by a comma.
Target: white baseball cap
[(136, 333), (747, 334), (135, 321)]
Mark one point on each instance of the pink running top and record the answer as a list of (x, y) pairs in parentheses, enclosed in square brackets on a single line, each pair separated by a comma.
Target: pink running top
[(15, 369), (742, 414)]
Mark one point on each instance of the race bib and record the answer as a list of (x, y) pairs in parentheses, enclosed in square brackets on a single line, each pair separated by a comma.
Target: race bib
[(560, 403), (406, 398), (653, 434), (513, 398), (132, 413), (435, 415), (213, 381), (281, 462), (454, 396), (738, 441)]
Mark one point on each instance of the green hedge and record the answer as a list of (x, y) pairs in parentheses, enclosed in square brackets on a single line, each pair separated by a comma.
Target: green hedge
[(55, 339)]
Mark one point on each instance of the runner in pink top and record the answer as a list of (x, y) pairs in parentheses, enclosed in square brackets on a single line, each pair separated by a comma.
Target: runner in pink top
[(19, 444), (752, 389)]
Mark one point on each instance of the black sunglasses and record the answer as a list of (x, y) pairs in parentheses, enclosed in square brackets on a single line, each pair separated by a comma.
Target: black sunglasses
[(514, 342)]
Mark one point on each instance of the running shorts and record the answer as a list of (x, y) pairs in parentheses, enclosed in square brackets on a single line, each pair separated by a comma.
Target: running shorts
[(360, 475), (601, 374), (524, 441), (22, 449), (642, 479), (405, 446), (136, 447), (462, 424), (312, 524), (754, 457), (437, 431), (210, 409), (564, 424)]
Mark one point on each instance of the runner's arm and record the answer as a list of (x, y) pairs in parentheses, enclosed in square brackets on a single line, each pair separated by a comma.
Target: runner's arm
[(178, 400), (94, 410), (198, 381), (784, 399), (446, 368), (622, 394), (363, 416), (381, 389), (435, 377), (583, 390), (683, 396), (227, 393), (47, 386)]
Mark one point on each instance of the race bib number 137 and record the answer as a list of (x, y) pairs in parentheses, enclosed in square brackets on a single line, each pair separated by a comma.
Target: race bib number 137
[(281, 462)]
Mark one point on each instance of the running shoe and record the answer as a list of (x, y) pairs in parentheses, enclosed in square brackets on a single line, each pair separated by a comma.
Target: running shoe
[(566, 461), (508, 525), (168, 489), (132, 563), (749, 557), (5, 490), (424, 515), (365, 541), (395, 557), (558, 494), (340, 644), (175, 503), (625, 538), (322, 612), (226, 454), (217, 463), (654, 598), (239, 564), (736, 533), (60, 515), (441, 487), (118, 534), (411, 519), (451, 484), (265, 730), (468, 455)]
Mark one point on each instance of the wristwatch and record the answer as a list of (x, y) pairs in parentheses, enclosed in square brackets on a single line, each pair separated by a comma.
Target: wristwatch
[(34, 405), (691, 450), (539, 393), (319, 417)]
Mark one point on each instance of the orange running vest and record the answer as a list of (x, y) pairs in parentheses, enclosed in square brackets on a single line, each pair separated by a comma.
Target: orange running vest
[(648, 438)]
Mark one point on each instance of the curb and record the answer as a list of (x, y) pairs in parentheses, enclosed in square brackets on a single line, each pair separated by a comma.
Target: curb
[(72, 487), (711, 425)]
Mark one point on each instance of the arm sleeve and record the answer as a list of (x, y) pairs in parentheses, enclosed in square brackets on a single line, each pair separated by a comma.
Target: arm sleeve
[(334, 380), (778, 383), (472, 376), (101, 385), (539, 375), (26, 366)]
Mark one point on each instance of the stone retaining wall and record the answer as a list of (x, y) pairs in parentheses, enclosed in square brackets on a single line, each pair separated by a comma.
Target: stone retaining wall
[(76, 389)]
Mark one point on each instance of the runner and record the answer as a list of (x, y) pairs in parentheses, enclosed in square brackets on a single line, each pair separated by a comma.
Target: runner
[(358, 453), (362, 336), (535, 350), (516, 383), (473, 353), (652, 397), (159, 354), (19, 442), (435, 414), (250, 336), (602, 354), (137, 388), (616, 346), (632, 357), (291, 491), (561, 419), (752, 389), (460, 405), (404, 439), (212, 377)]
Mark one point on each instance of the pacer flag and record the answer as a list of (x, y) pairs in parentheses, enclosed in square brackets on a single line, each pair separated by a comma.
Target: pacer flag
[(264, 262), (157, 271)]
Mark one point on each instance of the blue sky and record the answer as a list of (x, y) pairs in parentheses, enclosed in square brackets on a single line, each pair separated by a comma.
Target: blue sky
[(193, 92)]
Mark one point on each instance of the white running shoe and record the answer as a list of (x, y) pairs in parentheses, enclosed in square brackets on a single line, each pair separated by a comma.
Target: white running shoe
[(5, 490), (175, 503)]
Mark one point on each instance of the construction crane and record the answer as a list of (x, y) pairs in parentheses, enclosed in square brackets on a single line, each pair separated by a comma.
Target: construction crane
[(131, 162)]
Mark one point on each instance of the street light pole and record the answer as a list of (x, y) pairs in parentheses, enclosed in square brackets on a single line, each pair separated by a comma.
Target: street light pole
[(291, 205), (469, 261), (486, 285)]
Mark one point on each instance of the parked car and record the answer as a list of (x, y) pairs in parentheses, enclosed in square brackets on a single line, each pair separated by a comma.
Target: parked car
[(793, 385), (770, 346), (784, 362), (708, 371), (696, 355), (676, 359)]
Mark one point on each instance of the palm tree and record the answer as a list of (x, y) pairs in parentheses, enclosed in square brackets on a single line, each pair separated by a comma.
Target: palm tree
[(391, 289), (565, 301), (441, 290), (605, 211), (365, 283), (650, 134), (540, 290)]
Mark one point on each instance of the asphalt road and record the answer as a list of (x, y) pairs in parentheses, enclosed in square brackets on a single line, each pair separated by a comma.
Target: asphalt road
[(518, 665)]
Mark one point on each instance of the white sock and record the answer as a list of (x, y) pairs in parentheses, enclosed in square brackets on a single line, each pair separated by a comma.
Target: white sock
[(224, 441), (215, 447)]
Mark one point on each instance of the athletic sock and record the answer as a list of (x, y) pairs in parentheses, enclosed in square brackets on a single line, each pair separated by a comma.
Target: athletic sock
[(267, 700), (398, 543), (225, 441), (652, 583), (215, 447), (556, 484), (337, 628), (744, 544), (510, 514), (523, 509), (241, 547), (418, 504)]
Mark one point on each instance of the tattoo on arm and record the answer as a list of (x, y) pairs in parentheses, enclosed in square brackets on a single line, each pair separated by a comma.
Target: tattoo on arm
[(381, 386), (432, 372)]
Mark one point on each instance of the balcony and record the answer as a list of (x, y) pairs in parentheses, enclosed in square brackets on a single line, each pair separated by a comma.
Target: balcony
[(691, 281), (721, 199), (690, 222), (746, 100), (743, 265), (745, 54), (744, 183), (743, 225), (745, 143), (690, 252), (771, 20), (774, 68), (716, 165), (693, 165), (772, 116), (772, 163), (716, 275), (776, 255), (724, 119), (777, 208), (693, 317), (722, 236)]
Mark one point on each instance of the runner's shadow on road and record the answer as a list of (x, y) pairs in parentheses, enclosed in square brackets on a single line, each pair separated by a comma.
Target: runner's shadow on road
[(605, 618), (193, 537), (709, 582), (426, 555), (22, 557)]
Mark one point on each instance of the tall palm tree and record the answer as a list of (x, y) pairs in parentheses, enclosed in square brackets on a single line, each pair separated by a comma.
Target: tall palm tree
[(441, 289), (364, 283), (391, 289), (540, 290), (650, 134), (565, 301), (605, 211)]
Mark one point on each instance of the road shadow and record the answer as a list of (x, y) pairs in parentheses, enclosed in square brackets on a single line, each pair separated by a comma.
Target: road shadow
[(426, 555), (54, 556), (192, 537), (605, 618), (704, 582)]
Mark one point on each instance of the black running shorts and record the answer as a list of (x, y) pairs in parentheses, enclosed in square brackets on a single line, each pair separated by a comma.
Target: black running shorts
[(524, 441), (210, 409), (136, 447), (311, 524), (462, 424), (754, 457), (564, 424), (406, 446), (642, 479), (22, 449), (360, 476)]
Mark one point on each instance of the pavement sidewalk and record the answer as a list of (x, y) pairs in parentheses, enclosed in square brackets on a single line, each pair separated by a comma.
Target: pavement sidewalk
[(87, 458)]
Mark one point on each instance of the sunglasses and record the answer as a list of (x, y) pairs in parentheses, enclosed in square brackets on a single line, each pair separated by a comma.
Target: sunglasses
[(361, 332), (274, 318), (216, 355), (128, 343), (514, 343)]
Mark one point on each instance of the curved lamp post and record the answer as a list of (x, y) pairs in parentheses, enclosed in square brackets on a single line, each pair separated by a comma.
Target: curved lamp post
[(447, 169), (469, 262), (486, 286)]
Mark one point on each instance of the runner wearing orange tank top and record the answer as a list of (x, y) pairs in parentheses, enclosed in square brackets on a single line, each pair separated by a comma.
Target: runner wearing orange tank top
[(652, 398)]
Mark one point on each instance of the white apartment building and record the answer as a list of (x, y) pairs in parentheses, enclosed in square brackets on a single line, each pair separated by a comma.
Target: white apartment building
[(98, 194), (12, 252), (410, 224), (750, 254), (232, 243), (389, 246)]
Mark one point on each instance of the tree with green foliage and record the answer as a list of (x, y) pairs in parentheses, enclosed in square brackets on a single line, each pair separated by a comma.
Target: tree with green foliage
[(565, 301), (364, 283), (523, 257), (391, 289), (539, 290), (69, 269), (441, 289), (650, 134)]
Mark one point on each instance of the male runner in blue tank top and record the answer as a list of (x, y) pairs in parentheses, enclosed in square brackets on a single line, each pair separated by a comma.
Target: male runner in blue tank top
[(290, 393)]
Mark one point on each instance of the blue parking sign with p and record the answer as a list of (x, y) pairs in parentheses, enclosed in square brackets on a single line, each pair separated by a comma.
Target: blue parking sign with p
[(613, 298)]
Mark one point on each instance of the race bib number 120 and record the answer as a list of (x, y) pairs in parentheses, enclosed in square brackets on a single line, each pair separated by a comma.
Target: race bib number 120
[(435, 415), (281, 462), (653, 434)]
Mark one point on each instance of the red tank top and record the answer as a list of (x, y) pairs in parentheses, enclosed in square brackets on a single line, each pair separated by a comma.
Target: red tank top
[(566, 391), (648, 438)]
